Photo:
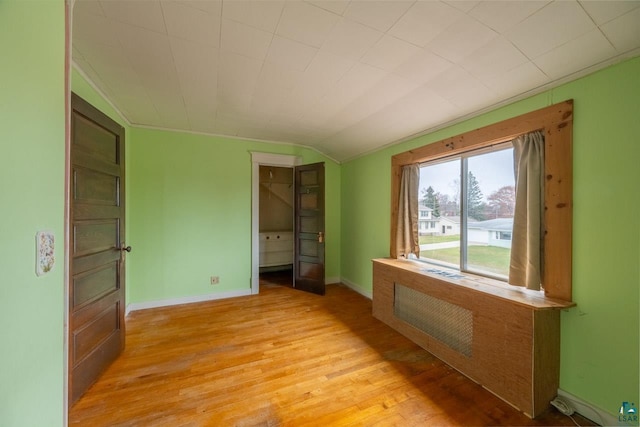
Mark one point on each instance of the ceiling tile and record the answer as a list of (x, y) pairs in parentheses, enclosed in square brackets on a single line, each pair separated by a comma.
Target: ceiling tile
[(95, 29), (389, 53), (521, 79), (144, 46), (624, 32), (264, 104), (327, 66), (111, 65), (193, 24), (263, 14), (493, 59), (212, 7), (463, 5), (550, 27), (201, 117), (575, 55), (335, 6), (419, 110), (350, 39), (423, 67), (138, 108), (456, 84), (424, 21), (87, 7), (145, 14), (245, 40), (354, 83), (238, 70), (290, 54), (461, 39), (306, 23), (226, 123), (197, 68), (237, 77), (502, 15), (385, 92), (171, 111), (319, 77), (604, 11), (278, 79), (380, 15)]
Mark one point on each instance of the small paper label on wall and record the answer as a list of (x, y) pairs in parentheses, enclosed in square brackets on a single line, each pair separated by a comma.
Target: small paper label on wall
[(45, 254)]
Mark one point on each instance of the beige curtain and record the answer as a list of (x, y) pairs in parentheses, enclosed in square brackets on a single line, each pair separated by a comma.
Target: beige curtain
[(528, 228), (407, 231)]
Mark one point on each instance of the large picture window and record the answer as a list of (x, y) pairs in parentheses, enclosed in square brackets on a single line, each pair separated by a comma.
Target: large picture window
[(466, 216), (471, 200)]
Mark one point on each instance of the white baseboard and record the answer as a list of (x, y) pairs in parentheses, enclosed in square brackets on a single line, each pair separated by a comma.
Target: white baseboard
[(331, 280), (357, 288), (587, 410), (185, 300)]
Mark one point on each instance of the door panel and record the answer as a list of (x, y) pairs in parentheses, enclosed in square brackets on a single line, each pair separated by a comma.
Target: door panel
[(309, 228), (91, 237), (96, 187), (94, 283), (96, 291), (95, 331)]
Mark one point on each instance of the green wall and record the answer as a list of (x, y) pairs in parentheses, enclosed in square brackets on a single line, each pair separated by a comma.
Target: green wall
[(190, 213), (599, 349), (32, 117)]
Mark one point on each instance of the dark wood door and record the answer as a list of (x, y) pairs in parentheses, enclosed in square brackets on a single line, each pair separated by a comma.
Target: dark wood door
[(309, 228), (96, 288)]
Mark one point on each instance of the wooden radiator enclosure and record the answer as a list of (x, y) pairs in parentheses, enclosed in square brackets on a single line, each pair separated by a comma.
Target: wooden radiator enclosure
[(506, 340)]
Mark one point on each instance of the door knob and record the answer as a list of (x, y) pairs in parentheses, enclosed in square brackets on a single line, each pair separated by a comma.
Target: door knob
[(125, 248)]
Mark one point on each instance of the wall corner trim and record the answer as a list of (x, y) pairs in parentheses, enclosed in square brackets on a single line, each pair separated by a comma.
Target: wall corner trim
[(356, 288)]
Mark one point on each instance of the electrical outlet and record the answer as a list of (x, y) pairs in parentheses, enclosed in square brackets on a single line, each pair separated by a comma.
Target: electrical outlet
[(215, 280)]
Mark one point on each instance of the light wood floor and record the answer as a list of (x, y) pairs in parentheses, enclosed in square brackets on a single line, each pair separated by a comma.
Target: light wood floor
[(288, 358)]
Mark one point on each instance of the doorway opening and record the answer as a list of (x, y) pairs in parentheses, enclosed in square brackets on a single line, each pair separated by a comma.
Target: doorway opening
[(276, 225), (265, 160), (308, 233)]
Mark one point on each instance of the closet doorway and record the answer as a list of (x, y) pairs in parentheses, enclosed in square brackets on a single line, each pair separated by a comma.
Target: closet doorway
[(261, 161), (276, 225), (307, 221)]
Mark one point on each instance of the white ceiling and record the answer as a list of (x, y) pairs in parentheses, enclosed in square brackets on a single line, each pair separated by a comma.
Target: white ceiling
[(344, 77)]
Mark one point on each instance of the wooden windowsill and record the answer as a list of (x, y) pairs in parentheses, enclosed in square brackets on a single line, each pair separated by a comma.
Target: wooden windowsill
[(535, 300)]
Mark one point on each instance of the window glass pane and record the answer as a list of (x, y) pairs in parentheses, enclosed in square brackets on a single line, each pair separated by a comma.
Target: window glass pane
[(439, 213), (490, 206)]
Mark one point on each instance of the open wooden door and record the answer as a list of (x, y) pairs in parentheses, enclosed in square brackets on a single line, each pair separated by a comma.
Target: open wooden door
[(96, 288), (309, 229)]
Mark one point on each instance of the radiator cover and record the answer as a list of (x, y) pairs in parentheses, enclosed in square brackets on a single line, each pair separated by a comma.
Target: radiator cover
[(448, 323)]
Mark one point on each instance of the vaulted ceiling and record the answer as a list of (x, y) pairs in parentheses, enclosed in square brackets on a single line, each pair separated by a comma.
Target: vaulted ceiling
[(344, 77)]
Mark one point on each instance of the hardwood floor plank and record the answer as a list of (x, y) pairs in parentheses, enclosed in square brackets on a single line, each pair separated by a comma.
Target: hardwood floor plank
[(283, 358)]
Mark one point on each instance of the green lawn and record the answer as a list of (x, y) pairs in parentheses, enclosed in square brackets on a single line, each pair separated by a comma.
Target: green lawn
[(487, 258), (438, 239)]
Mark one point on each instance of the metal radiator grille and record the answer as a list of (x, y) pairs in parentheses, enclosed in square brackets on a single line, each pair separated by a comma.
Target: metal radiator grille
[(448, 323)]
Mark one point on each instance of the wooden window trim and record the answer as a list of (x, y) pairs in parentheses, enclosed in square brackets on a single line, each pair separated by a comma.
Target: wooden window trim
[(556, 122)]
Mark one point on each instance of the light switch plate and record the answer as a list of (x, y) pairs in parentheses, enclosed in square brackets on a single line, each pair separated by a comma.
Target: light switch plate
[(45, 253)]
